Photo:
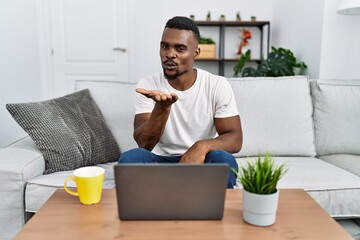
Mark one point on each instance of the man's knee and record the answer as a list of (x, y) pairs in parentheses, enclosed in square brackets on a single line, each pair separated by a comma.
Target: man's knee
[(220, 156), (136, 155)]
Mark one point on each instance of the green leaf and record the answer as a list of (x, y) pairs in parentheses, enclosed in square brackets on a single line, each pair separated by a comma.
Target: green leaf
[(280, 62), (260, 176), (249, 72), (204, 40), (241, 62)]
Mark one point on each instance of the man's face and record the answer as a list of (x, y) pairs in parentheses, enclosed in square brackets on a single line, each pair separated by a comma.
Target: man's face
[(178, 49)]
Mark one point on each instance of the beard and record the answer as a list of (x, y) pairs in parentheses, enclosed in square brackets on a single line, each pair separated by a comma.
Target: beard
[(173, 76), (171, 70)]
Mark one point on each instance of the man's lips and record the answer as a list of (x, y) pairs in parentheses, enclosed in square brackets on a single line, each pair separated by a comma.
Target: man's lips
[(169, 65)]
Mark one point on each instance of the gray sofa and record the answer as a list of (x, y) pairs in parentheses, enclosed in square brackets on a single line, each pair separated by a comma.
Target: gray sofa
[(313, 126)]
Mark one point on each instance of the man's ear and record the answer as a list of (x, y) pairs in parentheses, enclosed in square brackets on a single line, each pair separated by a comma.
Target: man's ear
[(197, 53)]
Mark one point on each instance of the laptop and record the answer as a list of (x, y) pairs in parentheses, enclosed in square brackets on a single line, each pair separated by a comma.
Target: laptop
[(171, 191)]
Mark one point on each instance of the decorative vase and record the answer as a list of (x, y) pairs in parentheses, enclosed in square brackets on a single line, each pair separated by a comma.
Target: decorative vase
[(260, 209)]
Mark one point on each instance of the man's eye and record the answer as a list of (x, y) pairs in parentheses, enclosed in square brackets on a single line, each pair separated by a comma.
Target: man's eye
[(180, 49), (163, 46)]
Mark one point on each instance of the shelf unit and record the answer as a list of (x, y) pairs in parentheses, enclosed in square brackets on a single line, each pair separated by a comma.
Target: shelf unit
[(221, 25)]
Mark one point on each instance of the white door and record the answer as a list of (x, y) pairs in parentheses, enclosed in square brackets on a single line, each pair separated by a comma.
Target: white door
[(88, 41)]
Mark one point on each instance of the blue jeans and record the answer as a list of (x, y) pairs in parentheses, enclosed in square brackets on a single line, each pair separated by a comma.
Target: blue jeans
[(141, 155)]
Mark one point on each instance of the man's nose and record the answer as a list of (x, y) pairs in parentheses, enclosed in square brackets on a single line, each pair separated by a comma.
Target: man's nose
[(171, 53)]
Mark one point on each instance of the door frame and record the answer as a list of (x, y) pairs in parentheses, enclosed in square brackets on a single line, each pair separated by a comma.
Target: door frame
[(45, 48)]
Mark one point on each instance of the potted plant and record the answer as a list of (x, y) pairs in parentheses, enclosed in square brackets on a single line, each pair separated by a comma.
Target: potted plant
[(238, 17), (280, 62), (208, 16), (260, 193), (207, 48)]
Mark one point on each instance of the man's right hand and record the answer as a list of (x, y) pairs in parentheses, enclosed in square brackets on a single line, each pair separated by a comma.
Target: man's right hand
[(165, 99)]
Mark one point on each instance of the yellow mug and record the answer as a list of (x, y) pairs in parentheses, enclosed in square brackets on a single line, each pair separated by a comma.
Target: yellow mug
[(89, 182)]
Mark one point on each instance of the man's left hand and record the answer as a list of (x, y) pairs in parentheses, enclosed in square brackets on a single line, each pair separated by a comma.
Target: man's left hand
[(195, 154)]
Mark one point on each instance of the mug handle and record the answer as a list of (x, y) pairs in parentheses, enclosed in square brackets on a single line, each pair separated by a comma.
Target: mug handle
[(68, 190)]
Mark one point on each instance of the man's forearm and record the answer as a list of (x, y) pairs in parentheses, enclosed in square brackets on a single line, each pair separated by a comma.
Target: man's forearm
[(147, 134), (230, 142)]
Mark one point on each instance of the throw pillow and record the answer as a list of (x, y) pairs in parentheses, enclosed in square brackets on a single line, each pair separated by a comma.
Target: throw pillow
[(276, 115), (69, 131), (336, 116)]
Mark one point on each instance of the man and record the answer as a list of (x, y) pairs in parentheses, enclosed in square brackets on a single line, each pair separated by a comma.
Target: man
[(184, 115)]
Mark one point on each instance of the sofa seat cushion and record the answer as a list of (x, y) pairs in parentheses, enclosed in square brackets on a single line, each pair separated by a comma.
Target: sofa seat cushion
[(348, 162), (276, 115), (336, 190), (39, 190), (336, 116)]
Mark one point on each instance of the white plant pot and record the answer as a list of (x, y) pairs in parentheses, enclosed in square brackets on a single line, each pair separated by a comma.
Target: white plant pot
[(260, 209)]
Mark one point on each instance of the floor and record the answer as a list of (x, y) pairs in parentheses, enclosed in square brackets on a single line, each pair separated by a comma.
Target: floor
[(352, 226)]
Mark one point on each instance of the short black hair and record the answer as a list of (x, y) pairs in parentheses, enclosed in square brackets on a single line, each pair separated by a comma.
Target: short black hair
[(184, 23)]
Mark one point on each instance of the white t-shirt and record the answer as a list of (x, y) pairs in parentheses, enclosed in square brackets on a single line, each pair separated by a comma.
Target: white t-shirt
[(192, 115)]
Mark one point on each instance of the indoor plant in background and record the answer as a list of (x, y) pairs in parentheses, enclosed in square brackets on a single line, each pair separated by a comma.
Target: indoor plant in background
[(260, 194), (280, 62)]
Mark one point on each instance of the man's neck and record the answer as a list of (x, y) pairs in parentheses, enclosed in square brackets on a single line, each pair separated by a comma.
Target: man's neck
[(184, 81)]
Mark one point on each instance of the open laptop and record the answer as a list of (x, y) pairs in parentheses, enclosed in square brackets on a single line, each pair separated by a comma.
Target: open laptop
[(171, 191)]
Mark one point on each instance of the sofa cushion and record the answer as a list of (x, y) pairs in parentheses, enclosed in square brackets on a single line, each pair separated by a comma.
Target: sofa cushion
[(336, 116), (336, 190), (69, 131), (348, 162), (116, 101), (276, 115)]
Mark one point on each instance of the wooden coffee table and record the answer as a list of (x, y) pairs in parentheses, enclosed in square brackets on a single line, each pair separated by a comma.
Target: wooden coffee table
[(63, 217)]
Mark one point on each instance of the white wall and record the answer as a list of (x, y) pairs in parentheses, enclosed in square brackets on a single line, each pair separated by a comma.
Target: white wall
[(19, 62), (325, 40), (340, 48), (297, 25)]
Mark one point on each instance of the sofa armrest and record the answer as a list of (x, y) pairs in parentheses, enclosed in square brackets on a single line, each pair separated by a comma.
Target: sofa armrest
[(19, 162)]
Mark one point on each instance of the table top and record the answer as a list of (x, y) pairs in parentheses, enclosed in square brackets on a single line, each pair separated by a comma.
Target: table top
[(64, 217)]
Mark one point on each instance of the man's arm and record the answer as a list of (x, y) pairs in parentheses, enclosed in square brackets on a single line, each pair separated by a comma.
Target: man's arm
[(229, 139), (149, 127)]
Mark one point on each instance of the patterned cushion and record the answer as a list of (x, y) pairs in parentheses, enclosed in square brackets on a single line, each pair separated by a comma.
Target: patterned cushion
[(69, 131), (116, 101)]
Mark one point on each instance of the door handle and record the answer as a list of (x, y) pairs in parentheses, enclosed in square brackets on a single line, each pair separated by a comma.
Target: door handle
[(119, 49)]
